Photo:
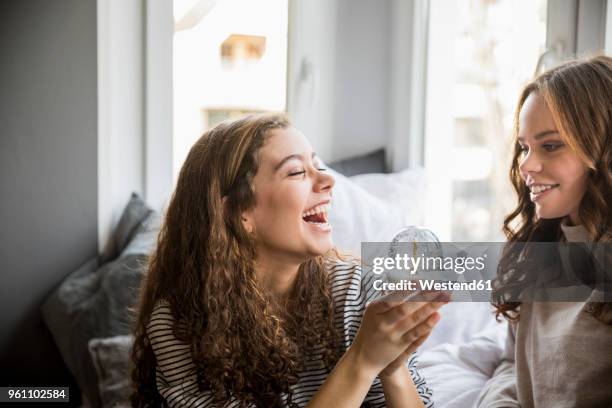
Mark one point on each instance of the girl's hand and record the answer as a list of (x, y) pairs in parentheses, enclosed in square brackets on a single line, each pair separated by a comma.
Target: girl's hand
[(391, 328), (421, 333)]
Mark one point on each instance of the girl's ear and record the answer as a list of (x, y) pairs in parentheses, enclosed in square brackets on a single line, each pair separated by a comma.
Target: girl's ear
[(246, 217), (247, 221)]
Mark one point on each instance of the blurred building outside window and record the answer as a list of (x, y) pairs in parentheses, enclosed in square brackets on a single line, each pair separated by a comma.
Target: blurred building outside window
[(491, 51), (230, 59)]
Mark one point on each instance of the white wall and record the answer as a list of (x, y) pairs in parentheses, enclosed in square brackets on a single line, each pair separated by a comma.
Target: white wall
[(439, 127), (591, 27), (361, 86), (134, 106), (158, 151), (310, 71), (407, 83), (120, 109), (608, 41), (338, 74)]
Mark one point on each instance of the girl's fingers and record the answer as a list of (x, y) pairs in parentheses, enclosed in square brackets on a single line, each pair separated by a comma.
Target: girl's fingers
[(412, 335), (431, 296), (410, 314), (396, 311), (404, 310), (443, 297), (417, 343), (379, 306)]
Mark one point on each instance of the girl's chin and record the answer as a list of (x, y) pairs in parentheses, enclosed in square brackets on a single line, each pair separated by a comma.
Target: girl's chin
[(547, 214), (321, 248)]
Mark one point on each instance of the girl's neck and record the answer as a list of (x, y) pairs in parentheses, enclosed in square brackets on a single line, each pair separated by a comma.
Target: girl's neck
[(276, 277), (573, 219)]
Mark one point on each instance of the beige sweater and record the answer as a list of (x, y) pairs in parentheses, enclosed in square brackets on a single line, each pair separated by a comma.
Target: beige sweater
[(557, 355)]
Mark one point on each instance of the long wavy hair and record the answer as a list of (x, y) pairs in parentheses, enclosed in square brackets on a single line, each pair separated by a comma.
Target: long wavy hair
[(245, 343), (579, 96)]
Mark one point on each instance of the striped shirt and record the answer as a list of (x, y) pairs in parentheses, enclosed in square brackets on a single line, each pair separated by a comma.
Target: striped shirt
[(176, 372)]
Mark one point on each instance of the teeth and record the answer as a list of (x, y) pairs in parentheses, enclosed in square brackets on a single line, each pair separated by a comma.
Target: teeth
[(317, 210), (539, 188)]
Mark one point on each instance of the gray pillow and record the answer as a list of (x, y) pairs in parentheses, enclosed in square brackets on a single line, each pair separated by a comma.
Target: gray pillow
[(93, 302), (145, 236), (111, 359), (90, 305), (135, 212), (373, 162)]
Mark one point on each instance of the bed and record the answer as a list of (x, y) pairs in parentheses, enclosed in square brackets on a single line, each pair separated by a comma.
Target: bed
[(87, 312), (463, 351)]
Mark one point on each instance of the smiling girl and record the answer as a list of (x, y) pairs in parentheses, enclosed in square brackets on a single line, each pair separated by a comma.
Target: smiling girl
[(246, 302), (559, 354)]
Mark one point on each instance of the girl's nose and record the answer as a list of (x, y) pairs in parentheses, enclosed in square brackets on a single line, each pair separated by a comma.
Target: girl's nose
[(324, 182), (530, 164)]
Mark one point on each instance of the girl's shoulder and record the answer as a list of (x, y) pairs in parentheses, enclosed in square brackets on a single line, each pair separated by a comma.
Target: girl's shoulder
[(161, 306), (347, 277), (161, 318), (343, 267)]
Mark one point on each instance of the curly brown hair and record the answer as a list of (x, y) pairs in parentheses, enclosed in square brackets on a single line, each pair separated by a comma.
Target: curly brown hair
[(244, 343), (579, 95)]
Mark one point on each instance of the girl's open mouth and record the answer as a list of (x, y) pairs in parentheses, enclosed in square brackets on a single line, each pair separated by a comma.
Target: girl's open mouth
[(317, 217), (540, 190)]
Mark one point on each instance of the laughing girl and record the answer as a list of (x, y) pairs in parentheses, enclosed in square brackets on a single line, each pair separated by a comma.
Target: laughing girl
[(559, 354), (246, 303)]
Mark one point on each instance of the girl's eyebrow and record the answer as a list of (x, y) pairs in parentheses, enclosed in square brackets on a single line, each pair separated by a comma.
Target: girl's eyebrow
[(540, 135), (291, 157)]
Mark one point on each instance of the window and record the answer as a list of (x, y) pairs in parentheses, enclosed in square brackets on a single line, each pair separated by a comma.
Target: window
[(481, 53), (230, 59)]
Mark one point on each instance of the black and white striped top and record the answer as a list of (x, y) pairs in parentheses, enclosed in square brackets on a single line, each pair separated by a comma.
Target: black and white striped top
[(176, 372)]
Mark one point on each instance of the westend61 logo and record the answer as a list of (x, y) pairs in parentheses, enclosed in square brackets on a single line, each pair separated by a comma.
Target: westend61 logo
[(520, 272), (413, 265), (465, 269)]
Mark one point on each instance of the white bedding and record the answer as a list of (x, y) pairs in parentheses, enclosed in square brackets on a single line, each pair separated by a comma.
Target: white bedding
[(457, 372), (466, 345), (374, 207)]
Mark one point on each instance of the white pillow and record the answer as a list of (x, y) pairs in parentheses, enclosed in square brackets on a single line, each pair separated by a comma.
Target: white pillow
[(372, 208), (405, 189), (460, 322)]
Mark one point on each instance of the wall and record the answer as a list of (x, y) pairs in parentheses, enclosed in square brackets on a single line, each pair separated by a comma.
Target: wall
[(48, 171), (338, 89), (608, 38), (361, 91), (121, 121), (311, 99), (134, 106)]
